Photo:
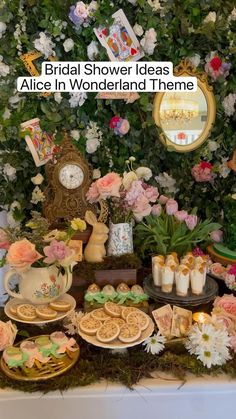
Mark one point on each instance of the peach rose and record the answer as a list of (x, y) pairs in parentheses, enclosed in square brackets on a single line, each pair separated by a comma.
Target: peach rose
[(4, 242), (109, 185), (8, 333), (227, 303), (22, 254)]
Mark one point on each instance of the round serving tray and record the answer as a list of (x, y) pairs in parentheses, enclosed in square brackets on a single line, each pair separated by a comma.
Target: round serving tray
[(209, 293), (54, 367)]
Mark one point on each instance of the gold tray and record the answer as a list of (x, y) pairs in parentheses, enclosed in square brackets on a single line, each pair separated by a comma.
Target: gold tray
[(54, 367)]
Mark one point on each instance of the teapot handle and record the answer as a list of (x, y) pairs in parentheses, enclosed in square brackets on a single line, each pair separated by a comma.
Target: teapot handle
[(68, 278), (7, 278)]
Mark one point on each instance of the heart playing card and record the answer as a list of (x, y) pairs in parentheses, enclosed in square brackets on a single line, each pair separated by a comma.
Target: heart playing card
[(119, 39)]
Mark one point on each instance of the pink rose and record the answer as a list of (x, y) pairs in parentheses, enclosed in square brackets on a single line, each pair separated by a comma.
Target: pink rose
[(225, 320), (156, 210), (227, 303), (171, 206), (93, 193), (124, 127), (202, 172), (22, 254), (8, 333), (217, 269), (216, 236), (109, 185), (81, 10), (4, 242), (191, 221), (57, 252), (181, 215), (141, 208), (151, 193), (163, 199)]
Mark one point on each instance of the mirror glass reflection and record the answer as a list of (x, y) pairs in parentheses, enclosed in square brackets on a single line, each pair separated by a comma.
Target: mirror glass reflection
[(183, 116)]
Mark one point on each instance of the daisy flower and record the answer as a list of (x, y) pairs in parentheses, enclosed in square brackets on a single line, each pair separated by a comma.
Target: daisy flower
[(155, 344)]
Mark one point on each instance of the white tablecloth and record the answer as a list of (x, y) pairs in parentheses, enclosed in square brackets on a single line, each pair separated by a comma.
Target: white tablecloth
[(199, 398)]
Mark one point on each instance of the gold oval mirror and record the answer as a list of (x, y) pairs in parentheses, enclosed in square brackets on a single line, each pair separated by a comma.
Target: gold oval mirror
[(185, 118)]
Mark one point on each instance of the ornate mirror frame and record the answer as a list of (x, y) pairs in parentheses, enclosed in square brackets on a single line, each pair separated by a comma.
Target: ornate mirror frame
[(185, 68)]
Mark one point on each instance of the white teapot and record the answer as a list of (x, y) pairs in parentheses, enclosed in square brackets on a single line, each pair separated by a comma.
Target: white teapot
[(40, 285)]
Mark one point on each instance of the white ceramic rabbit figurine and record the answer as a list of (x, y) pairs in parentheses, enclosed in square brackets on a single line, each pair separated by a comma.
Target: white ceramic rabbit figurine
[(95, 249)]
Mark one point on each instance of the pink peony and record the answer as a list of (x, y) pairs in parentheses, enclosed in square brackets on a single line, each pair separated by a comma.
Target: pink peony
[(191, 221), (22, 254), (202, 172), (8, 333), (135, 190), (57, 252), (197, 251), (109, 185), (216, 236), (124, 127), (4, 242), (227, 303), (93, 193), (163, 199), (151, 193), (156, 210), (81, 10), (141, 208), (181, 215), (171, 206)]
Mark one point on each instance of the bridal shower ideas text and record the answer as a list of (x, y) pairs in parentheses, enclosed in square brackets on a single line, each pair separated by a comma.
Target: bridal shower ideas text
[(107, 76)]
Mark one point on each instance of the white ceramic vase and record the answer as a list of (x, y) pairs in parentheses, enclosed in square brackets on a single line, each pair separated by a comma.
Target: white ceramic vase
[(120, 240)]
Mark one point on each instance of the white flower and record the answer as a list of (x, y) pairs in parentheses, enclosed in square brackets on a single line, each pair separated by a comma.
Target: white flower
[(96, 173), (77, 99), (92, 50), (223, 168), (92, 145), (6, 114), (14, 100), (210, 343), (213, 145), (14, 205), (143, 173), (138, 30), (44, 44), (4, 69), (155, 344), (75, 134), (37, 196), (195, 60), (148, 42), (3, 28), (38, 179), (211, 17), (9, 171), (232, 15), (155, 5), (133, 2), (228, 104), (11, 220), (68, 44), (71, 322), (128, 178), (58, 97), (167, 182), (92, 7)]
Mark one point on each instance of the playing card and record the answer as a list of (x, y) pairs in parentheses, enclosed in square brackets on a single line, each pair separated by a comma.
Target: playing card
[(182, 321), (163, 318), (40, 143), (77, 245), (128, 97), (119, 39)]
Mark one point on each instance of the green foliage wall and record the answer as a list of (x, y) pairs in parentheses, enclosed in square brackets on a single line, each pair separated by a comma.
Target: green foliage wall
[(181, 33)]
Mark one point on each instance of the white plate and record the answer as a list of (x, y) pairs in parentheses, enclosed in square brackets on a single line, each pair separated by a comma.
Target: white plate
[(117, 344), (61, 314)]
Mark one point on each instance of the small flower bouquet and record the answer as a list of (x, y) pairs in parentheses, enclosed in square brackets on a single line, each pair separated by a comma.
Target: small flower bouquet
[(39, 247), (128, 196), (169, 230)]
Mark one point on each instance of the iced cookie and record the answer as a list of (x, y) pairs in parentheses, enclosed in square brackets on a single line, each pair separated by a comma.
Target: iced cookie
[(112, 309), (116, 320), (64, 343), (126, 311), (89, 325), (139, 318), (29, 348), (108, 332), (60, 305), (46, 313), (99, 314), (129, 333), (26, 312)]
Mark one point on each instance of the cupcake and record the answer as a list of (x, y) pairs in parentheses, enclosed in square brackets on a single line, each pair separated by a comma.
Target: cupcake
[(167, 278), (123, 293), (46, 346), (109, 292), (29, 348), (156, 272), (14, 357), (197, 277), (182, 279), (64, 343)]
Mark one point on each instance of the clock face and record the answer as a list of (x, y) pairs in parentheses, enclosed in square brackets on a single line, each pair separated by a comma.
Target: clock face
[(71, 176)]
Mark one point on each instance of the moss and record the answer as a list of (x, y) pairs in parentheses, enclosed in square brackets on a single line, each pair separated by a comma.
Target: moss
[(86, 270)]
